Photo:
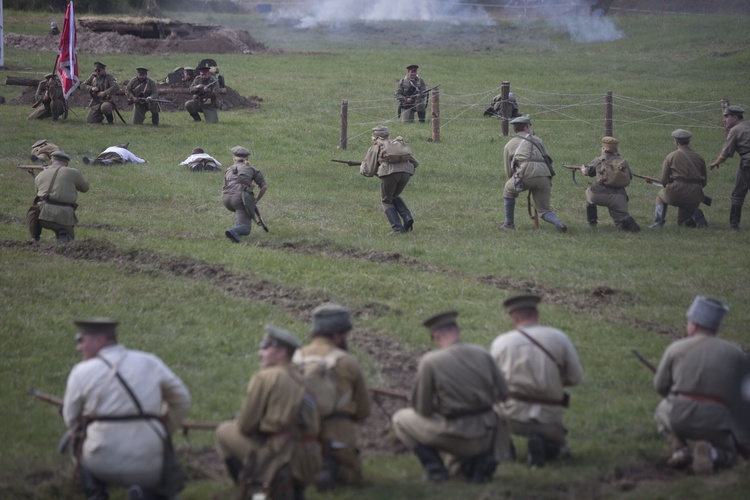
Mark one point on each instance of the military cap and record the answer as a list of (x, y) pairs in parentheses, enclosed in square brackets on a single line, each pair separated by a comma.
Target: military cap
[(511, 97), (61, 154), (412, 66), (240, 151), (441, 320), (381, 131), (682, 134), (278, 337), (610, 141), (40, 142), (49, 75), (525, 119), (734, 110), (528, 301), (141, 69), (187, 68), (330, 318), (98, 65), (53, 24), (94, 326), (203, 68), (197, 151), (707, 312)]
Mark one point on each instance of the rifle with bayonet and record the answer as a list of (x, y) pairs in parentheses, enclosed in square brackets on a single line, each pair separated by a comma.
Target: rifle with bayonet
[(648, 364), (349, 162), (261, 222), (707, 200), (148, 100), (377, 391)]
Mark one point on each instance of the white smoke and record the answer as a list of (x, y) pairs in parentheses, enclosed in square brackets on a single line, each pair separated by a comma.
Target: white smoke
[(590, 29), (333, 12)]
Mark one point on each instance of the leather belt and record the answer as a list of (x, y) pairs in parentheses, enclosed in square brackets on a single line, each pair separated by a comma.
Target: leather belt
[(700, 397)]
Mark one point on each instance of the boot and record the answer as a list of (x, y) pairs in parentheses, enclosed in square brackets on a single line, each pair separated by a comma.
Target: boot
[(699, 219), (432, 463), (110, 119), (554, 219), (735, 214), (405, 214), (196, 116), (629, 224), (93, 488), (484, 466), (591, 215), (326, 479), (510, 207), (154, 120), (234, 467), (421, 115), (660, 214), (536, 454), (62, 236), (395, 221)]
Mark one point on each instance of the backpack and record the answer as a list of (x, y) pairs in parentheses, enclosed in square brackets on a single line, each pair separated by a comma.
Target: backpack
[(395, 151), (615, 173), (317, 372)]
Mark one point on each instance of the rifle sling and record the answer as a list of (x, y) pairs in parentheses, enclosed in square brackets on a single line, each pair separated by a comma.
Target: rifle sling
[(529, 399)]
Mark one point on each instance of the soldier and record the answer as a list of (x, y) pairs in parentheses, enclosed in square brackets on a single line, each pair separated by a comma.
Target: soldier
[(331, 324), (411, 95), (126, 404), (538, 362), (393, 163), (49, 95), (188, 75), (114, 155), (199, 161), (738, 140), (237, 194), (272, 445), (205, 90), (525, 158), (451, 412), (683, 175), (700, 378), (101, 86), (140, 91), (41, 150), (496, 106), (57, 190), (53, 29), (613, 175)]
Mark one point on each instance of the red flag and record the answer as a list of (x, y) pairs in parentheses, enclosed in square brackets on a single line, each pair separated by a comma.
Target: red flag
[(67, 64)]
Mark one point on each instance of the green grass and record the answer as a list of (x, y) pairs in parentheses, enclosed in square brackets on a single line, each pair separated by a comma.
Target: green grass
[(328, 234)]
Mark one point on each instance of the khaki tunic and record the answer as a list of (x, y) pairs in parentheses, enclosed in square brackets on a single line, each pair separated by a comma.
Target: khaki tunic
[(44, 151), (738, 140), (98, 107), (55, 104), (521, 155), (683, 175), (338, 433), (68, 183), (701, 365), (140, 89), (393, 176), (615, 199), (268, 430), (237, 194), (452, 402), (204, 101), (407, 88), (532, 373)]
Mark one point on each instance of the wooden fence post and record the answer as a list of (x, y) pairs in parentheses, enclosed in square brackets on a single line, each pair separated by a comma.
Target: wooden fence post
[(724, 106), (608, 114), (436, 115), (344, 124), (505, 109)]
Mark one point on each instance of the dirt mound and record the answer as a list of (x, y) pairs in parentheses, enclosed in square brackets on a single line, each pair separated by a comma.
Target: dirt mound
[(222, 41)]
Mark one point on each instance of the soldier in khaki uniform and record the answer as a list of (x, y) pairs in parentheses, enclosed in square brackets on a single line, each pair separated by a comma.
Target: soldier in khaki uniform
[(49, 99), (538, 362), (237, 195), (604, 193), (101, 86), (331, 324), (57, 190), (411, 96), (272, 445), (699, 378), (524, 160), (683, 175), (205, 90), (456, 388), (738, 140), (139, 91), (42, 149), (393, 179)]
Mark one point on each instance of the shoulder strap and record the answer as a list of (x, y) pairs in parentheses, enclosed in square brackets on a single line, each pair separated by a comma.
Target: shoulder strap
[(540, 346), (690, 160), (52, 183), (125, 385)]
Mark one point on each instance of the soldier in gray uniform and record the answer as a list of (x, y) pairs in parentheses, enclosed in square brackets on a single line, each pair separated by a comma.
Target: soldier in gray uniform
[(205, 90), (527, 170), (699, 378), (411, 96), (451, 407), (613, 175), (237, 195), (738, 140), (683, 175)]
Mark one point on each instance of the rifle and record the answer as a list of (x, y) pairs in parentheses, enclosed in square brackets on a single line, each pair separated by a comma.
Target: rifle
[(349, 162), (30, 168), (643, 360), (376, 391), (114, 108), (707, 200), (261, 222), (204, 89), (574, 169)]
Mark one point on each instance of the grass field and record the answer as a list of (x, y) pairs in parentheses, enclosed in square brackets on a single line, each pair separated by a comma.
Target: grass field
[(151, 251)]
